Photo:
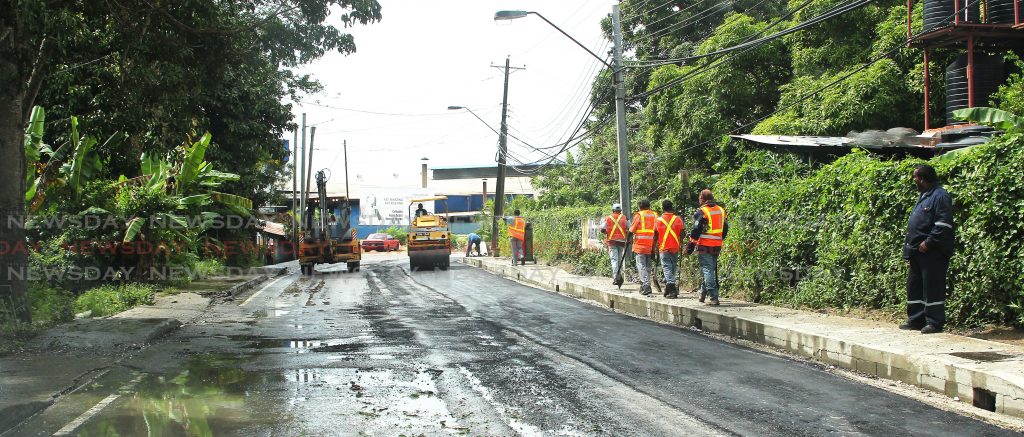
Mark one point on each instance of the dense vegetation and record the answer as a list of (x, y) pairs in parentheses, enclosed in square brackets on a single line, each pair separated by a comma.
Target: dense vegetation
[(805, 234), (161, 124)]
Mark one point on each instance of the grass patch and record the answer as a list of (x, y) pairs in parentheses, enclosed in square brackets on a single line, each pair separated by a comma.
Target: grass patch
[(50, 306), (209, 267), (112, 299)]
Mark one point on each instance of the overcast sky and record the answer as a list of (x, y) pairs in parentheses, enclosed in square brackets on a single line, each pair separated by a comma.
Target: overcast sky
[(389, 100)]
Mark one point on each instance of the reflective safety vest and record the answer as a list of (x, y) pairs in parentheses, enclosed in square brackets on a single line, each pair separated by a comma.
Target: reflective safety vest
[(518, 229), (643, 231), (715, 217), (615, 224), (668, 233)]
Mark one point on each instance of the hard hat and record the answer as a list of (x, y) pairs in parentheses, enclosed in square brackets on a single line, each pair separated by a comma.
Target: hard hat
[(616, 207)]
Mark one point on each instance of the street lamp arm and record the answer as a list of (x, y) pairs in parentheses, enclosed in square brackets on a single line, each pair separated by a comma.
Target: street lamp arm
[(606, 64), (477, 117)]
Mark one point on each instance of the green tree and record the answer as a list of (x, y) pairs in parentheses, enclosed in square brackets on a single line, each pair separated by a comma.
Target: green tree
[(155, 70)]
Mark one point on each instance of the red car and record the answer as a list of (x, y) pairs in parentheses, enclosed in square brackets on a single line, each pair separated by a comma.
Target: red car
[(381, 242)]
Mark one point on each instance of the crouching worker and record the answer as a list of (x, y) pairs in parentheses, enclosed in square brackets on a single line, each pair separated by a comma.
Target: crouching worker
[(473, 241)]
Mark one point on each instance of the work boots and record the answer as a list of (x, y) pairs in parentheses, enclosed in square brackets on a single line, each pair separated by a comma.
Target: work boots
[(617, 281), (671, 291), (645, 289)]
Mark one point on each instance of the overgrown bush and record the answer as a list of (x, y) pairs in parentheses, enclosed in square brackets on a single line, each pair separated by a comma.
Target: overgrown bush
[(833, 239), (50, 305), (112, 299), (209, 267)]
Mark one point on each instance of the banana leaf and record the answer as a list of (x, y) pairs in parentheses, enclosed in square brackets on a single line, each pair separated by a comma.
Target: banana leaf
[(196, 200), (996, 118), (193, 163), (134, 226), (34, 143), (231, 200)]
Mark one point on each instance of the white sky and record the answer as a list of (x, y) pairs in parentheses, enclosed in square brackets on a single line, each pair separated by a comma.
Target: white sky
[(426, 55)]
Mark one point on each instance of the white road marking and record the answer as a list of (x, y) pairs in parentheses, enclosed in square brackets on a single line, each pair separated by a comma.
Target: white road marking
[(89, 414), (262, 289)]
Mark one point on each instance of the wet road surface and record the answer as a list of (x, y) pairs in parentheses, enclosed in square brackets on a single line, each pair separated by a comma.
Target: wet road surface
[(385, 351)]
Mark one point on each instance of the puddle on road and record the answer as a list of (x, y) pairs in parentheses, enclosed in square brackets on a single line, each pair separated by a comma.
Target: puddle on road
[(340, 345), (206, 397)]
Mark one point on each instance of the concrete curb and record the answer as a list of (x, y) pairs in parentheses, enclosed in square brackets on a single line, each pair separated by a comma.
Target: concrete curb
[(270, 271), (244, 286), (986, 374)]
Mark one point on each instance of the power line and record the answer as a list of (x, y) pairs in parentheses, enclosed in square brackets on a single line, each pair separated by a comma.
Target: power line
[(639, 6), (751, 41), (686, 21), (736, 18), (364, 111), (750, 45)]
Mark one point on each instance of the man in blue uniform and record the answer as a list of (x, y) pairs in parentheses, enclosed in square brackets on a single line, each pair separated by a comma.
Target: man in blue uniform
[(473, 241), (928, 247)]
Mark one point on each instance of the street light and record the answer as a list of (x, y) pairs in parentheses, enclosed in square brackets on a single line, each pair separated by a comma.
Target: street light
[(499, 194), (456, 108), (620, 90), (512, 15)]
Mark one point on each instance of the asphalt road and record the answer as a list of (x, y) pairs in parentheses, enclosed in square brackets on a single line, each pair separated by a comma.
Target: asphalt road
[(390, 352)]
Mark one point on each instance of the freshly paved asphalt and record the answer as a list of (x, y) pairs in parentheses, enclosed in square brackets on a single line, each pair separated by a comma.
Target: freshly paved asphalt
[(386, 351)]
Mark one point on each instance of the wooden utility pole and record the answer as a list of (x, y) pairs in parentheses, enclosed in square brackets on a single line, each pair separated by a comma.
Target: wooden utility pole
[(499, 188), (295, 188)]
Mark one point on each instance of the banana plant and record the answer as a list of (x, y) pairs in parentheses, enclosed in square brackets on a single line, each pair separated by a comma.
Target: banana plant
[(73, 163), (194, 180)]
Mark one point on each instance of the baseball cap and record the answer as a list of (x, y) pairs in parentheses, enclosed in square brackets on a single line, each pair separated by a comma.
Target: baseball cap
[(616, 207)]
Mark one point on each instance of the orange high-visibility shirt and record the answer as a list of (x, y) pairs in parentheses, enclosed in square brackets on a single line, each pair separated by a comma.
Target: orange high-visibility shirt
[(518, 229), (669, 228), (615, 224), (715, 217), (643, 231)]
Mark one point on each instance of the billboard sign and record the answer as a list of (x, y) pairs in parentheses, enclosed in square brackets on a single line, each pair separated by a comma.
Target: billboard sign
[(388, 206)]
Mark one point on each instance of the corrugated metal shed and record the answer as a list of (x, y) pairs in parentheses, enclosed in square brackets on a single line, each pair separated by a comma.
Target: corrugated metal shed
[(837, 146)]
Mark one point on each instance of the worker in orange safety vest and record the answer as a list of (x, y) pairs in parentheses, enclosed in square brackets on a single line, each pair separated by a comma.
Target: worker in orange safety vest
[(709, 230), (669, 229), (642, 228), (614, 228), (517, 234)]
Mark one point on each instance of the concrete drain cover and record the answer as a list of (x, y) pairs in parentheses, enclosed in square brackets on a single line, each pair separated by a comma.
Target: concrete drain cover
[(985, 356)]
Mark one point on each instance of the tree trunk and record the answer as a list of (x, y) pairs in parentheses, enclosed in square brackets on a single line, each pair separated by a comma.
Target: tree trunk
[(13, 249)]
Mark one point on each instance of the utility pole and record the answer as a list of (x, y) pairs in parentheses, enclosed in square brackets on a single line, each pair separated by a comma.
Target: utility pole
[(302, 176), (344, 145), (295, 188), (625, 196), (309, 168), (499, 187)]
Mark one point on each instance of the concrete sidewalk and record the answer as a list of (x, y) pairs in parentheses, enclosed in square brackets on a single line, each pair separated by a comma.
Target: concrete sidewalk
[(987, 374), (66, 357)]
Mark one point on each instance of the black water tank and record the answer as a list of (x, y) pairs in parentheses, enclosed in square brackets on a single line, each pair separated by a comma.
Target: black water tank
[(1000, 12), (939, 13), (988, 75)]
